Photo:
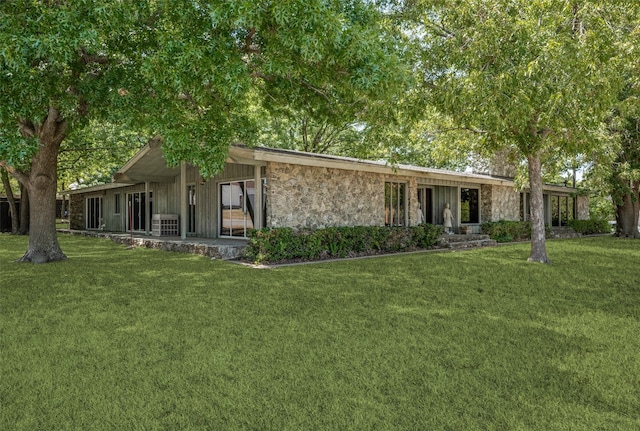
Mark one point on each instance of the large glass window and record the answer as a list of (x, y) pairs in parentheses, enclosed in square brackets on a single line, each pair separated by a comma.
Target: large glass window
[(394, 206), (525, 206), (191, 206), (469, 206), (94, 212), (425, 199), (137, 211), (116, 203), (237, 207), (562, 210)]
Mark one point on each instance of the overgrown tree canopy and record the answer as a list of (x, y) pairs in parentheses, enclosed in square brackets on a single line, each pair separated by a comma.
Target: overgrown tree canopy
[(185, 72), (533, 78)]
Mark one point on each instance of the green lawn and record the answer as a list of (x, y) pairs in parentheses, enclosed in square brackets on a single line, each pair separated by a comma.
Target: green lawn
[(117, 339)]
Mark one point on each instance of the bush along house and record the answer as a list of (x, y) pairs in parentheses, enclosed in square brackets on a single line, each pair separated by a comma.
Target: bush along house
[(264, 187)]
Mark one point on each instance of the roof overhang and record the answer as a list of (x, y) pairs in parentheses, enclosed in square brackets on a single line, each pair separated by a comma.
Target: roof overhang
[(337, 162), (148, 165)]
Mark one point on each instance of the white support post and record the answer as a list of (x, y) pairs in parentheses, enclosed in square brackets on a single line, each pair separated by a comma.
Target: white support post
[(183, 200)]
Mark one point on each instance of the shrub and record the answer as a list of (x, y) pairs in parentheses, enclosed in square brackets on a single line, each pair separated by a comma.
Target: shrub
[(507, 231), (286, 244), (590, 227)]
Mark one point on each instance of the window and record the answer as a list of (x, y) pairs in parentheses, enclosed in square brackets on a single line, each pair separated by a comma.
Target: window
[(237, 207), (94, 212), (394, 204), (116, 203), (562, 210), (469, 206), (191, 206)]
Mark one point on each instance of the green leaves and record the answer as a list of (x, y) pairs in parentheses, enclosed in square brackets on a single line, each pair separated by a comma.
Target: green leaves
[(190, 73), (521, 70)]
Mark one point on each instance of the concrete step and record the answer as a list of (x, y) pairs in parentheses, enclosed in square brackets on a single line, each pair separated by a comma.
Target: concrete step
[(564, 232), (473, 244), (467, 241)]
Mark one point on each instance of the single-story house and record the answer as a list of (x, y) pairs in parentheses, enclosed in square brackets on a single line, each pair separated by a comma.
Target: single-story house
[(265, 187)]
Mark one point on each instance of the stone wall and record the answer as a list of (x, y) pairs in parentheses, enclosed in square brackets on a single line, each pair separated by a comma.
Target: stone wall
[(76, 212), (582, 207), (316, 197), (499, 203)]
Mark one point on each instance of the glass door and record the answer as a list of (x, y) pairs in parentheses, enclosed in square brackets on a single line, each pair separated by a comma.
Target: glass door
[(426, 204), (237, 208), (137, 211), (94, 212)]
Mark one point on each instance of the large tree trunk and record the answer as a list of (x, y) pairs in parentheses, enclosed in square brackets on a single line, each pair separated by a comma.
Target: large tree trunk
[(13, 209), (23, 228), (628, 212), (538, 241), (41, 183)]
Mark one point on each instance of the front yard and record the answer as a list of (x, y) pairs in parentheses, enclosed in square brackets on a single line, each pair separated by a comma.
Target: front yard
[(144, 339)]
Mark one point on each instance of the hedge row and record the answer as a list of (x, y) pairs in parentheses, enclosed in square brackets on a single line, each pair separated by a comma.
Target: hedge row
[(507, 231), (590, 227), (286, 244)]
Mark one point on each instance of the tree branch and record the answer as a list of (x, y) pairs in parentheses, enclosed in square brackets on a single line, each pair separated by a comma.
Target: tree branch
[(317, 90), (21, 177), (89, 58), (27, 128)]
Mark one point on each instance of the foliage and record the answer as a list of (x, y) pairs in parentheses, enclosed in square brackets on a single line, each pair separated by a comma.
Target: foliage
[(286, 244), (466, 341), (124, 61), (507, 231), (591, 226), (92, 155), (601, 207), (615, 171)]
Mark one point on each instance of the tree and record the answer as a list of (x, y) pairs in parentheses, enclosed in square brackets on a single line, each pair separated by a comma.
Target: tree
[(615, 171), (534, 78), (624, 178), (187, 73)]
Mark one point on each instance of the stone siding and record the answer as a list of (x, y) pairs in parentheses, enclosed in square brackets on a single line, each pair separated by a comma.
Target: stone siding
[(582, 207), (76, 211), (499, 203), (316, 197)]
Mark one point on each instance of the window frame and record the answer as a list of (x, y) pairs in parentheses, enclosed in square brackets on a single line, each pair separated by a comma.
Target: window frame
[(91, 204), (400, 206), (473, 210)]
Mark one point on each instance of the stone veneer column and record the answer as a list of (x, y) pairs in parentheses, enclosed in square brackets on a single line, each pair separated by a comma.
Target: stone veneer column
[(486, 203), (76, 212), (499, 203)]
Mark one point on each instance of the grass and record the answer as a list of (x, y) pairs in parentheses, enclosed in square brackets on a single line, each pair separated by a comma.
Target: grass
[(477, 340)]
